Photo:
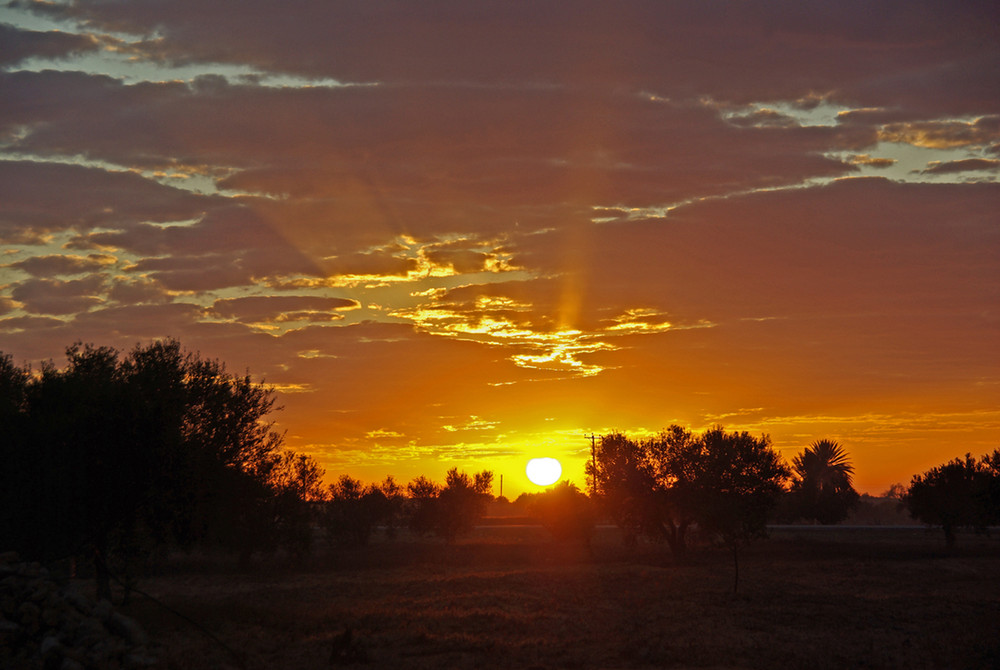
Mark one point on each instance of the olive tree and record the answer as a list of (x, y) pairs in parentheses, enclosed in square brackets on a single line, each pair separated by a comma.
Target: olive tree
[(452, 509), (959, 493), (727, 483), (737, 479), (115, 456)]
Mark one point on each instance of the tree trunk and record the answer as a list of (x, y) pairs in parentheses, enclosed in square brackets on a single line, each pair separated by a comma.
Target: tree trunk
[(674, 534), (949, 536)]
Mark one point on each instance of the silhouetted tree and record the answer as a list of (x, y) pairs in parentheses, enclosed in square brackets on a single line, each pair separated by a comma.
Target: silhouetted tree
[(461, 502), (13, 446), (726, 482), (395, 498), (421, 504), (566, 512), (88, 477), (736, 481), (674, 456), (13, 391), (296, 483), (625, 484), (450, 510), (991, 499), (821, 483), (116, 456), (895, 491), (238, 451), (955, 495), (647, 486), (355, 510)]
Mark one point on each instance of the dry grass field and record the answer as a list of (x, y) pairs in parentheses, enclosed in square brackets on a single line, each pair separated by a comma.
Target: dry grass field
[(508, 597)]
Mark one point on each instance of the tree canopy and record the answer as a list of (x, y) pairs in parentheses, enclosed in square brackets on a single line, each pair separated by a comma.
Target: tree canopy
[(821, 483), (566, 512), (728, 483), (114, 455), (963, 492)]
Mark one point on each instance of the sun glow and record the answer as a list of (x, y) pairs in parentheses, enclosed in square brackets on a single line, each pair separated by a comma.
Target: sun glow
[(543, 471)]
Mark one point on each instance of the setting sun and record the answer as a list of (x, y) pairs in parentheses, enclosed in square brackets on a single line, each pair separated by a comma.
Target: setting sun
[(454, 335), (543, 471)]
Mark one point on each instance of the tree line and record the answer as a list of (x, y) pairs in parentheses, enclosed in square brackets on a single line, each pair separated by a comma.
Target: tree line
[(116, 458), (734, 484)]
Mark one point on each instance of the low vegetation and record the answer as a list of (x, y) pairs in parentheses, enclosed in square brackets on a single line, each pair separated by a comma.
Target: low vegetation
[(512, 597)]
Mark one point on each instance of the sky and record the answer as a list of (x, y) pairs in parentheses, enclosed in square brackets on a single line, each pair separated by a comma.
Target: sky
[(464, 234)]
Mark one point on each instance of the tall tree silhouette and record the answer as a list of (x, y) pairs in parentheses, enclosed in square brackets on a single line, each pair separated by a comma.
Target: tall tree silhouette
[(421, 505), (113, 456), (461, 502), (726, 482), (450, 510), (621, 479), (960, 493), (649, 486), (355, 510), (737, 481), (674, 456), (821, 484)]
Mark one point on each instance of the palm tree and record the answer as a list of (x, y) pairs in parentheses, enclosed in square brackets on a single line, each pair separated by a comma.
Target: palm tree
[(822, 482)]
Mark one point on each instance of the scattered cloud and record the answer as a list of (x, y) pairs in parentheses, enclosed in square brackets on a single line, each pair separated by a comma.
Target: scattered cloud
[(60, 265), (273, 308), (865, 159), (56, 297), (944, 134), (964, 165), (16, 45)]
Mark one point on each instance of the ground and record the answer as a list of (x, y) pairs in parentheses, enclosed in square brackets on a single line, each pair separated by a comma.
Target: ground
[(508, 597)]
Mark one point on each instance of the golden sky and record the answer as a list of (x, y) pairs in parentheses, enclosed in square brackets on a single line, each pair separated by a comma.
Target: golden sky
[(460, 234)]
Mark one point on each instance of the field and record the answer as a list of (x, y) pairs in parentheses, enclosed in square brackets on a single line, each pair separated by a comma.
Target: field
[(508, 597)]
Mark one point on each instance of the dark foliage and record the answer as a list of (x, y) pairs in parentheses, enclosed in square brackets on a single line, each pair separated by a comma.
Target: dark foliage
[(625, 484), (462, 502), (821, 486), (646, 486), (421, 505), (450, 510), (117, 457), (736, 483), (566, 512), (354, 511), (728, 483), (674, 456), (960, 493)]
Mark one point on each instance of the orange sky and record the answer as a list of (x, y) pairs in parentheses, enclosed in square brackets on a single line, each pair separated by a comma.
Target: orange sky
[(458, 234)]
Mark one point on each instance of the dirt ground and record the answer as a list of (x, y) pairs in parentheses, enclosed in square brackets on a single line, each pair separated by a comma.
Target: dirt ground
[(508, 597)]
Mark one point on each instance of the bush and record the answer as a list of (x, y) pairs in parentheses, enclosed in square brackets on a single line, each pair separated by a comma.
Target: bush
[(566, 512)]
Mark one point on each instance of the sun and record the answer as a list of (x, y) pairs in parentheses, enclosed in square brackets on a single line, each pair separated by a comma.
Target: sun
[(543, 471)]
